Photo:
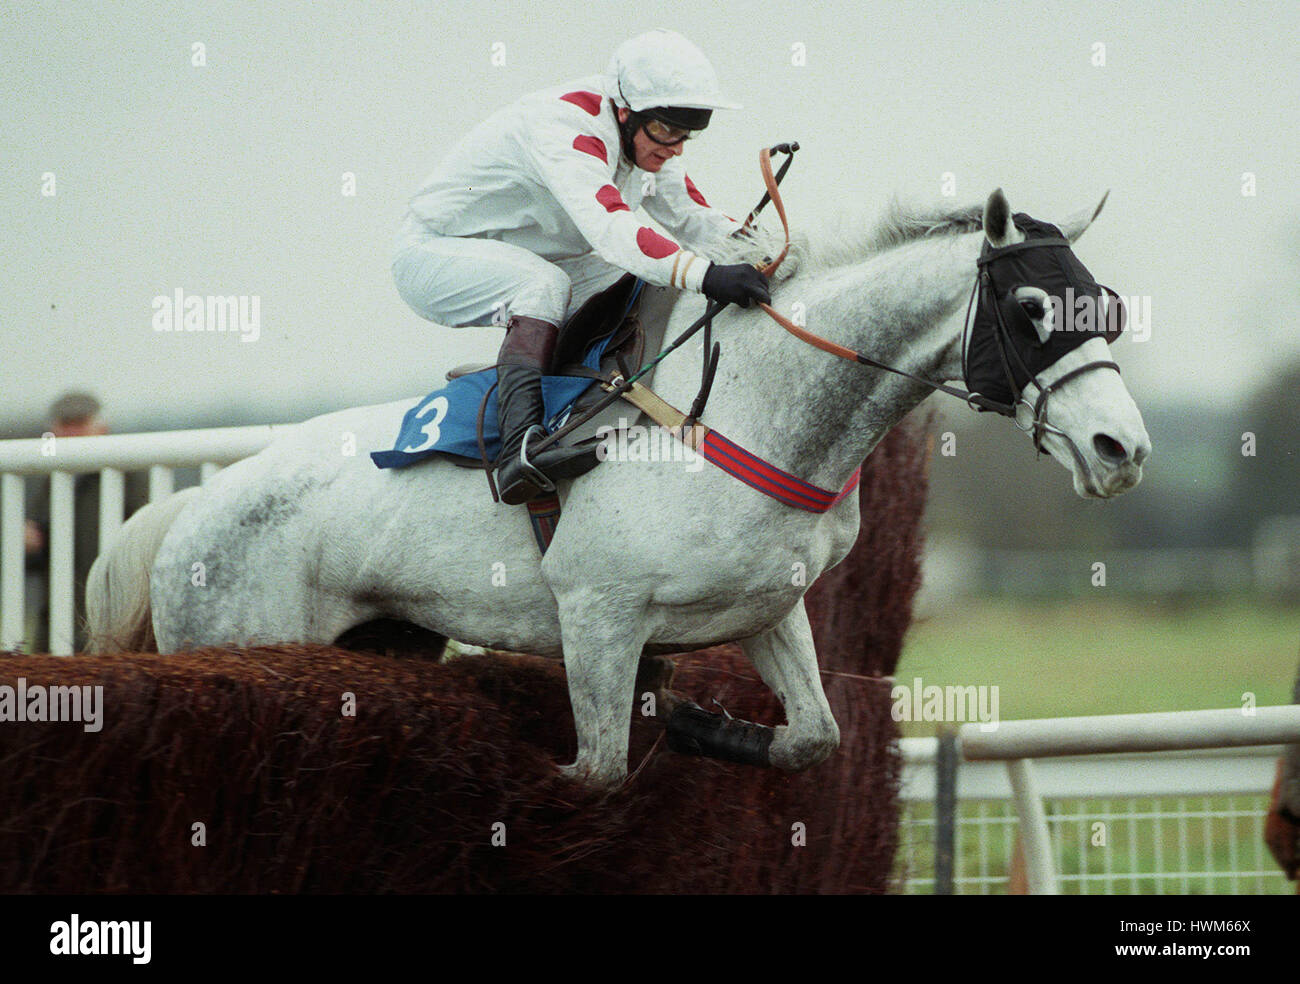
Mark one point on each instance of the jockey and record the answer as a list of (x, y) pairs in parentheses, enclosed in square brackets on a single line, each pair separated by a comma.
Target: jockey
[(532, 213)]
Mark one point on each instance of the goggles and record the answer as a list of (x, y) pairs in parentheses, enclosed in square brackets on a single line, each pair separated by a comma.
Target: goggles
[(665, 134)]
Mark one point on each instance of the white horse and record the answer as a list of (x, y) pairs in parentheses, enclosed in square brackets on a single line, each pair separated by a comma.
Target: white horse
[(305, 540)]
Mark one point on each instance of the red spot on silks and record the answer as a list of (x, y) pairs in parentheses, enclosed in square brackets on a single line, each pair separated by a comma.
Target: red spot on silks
[(611, 199), (654, 245), (694, 192), (591, 145), (587, 101)]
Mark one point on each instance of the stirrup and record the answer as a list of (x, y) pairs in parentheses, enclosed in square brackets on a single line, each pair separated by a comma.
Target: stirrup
[(534, 474)]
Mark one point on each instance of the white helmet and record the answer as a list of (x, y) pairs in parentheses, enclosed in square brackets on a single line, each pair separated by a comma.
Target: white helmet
[(661, 68)]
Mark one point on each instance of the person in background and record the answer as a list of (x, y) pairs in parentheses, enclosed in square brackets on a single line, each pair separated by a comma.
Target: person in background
[(1282, 826), (75, 414)]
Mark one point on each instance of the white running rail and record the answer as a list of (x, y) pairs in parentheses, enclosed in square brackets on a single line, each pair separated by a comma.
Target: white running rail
[(112, 455), (1134, 736)]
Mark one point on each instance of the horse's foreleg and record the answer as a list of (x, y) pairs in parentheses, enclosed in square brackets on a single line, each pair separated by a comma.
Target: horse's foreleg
[(787, 661), (602, 647)]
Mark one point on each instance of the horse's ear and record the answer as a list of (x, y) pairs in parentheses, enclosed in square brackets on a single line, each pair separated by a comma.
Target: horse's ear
[(1077, 224), (998, 226)]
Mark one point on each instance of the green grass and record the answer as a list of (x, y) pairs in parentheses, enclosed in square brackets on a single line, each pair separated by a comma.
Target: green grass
[(1083, 656), (1099, 656)]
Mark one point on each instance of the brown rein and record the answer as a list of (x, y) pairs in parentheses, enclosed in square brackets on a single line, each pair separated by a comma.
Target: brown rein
[(774, 192), (972, 400)]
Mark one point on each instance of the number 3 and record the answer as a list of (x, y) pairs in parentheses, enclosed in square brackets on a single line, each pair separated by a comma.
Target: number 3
[(429, 428)]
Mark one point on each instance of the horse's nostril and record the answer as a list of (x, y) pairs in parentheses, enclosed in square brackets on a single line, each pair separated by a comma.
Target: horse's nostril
[(1109, 449)]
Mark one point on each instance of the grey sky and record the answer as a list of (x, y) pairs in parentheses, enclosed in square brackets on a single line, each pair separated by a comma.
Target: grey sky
[(226, 179)]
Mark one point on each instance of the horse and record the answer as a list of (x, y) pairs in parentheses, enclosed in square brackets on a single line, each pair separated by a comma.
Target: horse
[(307, 540)]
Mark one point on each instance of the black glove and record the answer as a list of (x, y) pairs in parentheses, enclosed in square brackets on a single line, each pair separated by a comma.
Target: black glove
[(737, 284)]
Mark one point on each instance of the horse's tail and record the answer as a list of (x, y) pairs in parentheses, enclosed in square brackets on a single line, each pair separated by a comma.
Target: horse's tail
[(118, 616)]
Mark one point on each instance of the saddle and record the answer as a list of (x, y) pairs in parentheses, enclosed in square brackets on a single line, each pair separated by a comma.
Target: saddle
[(636, 336)]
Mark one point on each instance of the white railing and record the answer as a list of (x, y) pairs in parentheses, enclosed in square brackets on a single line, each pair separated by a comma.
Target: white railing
[(1127, 756), (112, 456)]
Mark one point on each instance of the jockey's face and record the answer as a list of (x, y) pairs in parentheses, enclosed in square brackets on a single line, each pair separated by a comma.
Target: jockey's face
[(650, 156)]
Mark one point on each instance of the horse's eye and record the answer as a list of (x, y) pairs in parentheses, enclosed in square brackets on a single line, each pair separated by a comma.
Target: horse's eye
[(1033, 308)]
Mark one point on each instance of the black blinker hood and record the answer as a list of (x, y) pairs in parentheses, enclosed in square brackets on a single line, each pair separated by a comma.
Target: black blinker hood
[(994, 361)]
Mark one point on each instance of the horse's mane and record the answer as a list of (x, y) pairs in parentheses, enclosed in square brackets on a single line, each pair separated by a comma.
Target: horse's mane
[(852, 238)]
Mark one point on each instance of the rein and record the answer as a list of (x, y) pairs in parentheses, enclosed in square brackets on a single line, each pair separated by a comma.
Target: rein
[(625, 382), (1039, 423), (753, 470), (816, 341)]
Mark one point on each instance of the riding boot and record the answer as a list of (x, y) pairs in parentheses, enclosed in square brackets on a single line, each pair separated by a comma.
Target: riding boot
[(525, 354)]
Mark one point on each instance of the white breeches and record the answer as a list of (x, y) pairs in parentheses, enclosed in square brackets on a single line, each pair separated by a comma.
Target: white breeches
[(461, 282)]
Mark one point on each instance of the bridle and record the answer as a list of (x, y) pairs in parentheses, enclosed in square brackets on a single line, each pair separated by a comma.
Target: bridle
[(1036, 422)]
